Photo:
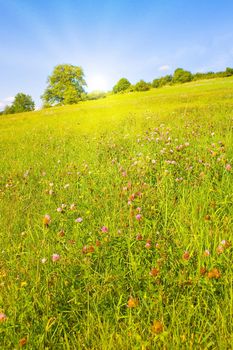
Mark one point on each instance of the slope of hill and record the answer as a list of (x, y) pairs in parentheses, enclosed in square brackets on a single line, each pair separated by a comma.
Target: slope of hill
[(116, 222)]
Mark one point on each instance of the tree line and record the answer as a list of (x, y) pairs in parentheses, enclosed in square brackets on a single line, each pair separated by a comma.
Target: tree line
[(66, 85)]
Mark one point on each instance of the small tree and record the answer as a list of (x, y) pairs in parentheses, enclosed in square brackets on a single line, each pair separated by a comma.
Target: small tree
[(122, 85), (21, 103), (229, 71), (65, 85), (142, 86), (182, 76)]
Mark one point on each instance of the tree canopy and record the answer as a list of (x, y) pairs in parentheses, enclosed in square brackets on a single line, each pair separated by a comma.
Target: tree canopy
[(21, 103), (181, 76), (142, 86), (65, 85), (122, 85)]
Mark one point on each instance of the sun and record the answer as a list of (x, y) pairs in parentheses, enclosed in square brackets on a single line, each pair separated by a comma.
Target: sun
[(97, 82)]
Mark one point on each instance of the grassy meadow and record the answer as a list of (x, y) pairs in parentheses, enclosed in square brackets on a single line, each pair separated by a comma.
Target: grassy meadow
[(116, 222)]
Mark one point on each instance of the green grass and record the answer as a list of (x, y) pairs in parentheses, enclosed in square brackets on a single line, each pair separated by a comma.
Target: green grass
[(164, 154)]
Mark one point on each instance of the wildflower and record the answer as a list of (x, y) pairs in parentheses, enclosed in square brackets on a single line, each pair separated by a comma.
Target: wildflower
[(71, 241), (59, 210), (228, 167), (47, 220), (154, 272), (3, 317), (43, 260), (132, 197), (148, 244), (104, 229), (88, 249), (55, 257), (72, 206), (139, 237), (206, 252), (61, 233), (186, 255), (138, 217), (79, 220), (132, 302), (207, 217), (98, 243), (214, 273), (23, 342), (139, 209), (220, 249), (203, 271), (225, 244), (157, 327), (85, 249), (91, 249), (66, 186)]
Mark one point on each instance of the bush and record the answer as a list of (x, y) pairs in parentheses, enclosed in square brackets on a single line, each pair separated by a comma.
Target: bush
[(95, 95), (142, 86), (167, 79)]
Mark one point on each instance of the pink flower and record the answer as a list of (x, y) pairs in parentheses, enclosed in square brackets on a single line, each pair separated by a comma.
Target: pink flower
[(3, 317), (79, 220), (148, 244), (138, 217), (55, 257), (228, 167), (104, 229), (139, 209)]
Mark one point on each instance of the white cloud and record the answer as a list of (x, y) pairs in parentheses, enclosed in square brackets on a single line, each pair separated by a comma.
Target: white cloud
[(6, 101), (9, 99), (164, 68)]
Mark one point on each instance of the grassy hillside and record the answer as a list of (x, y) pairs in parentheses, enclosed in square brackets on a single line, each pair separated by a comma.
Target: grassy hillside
[(116, 222)]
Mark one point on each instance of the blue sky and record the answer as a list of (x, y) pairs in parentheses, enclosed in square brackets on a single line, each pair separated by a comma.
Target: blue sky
[(110, 39)]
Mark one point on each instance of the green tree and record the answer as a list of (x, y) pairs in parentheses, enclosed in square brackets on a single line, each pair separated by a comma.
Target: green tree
[(182, 76), (229, 71), (167, 79), (142, 86), (21, 103), (65, 86), (122, 85)]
